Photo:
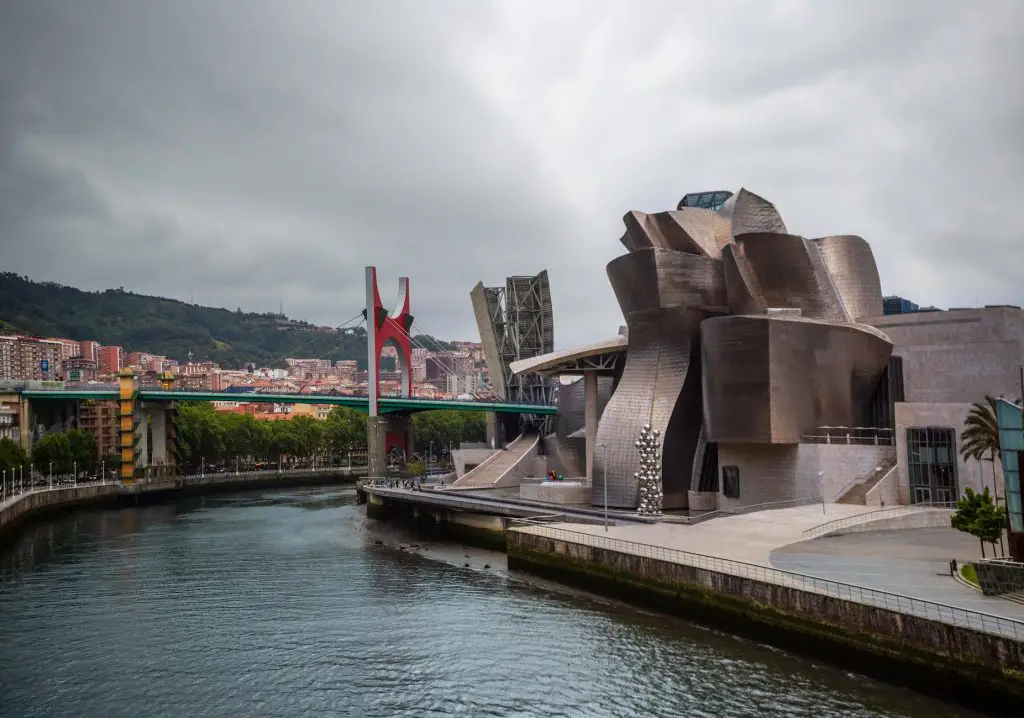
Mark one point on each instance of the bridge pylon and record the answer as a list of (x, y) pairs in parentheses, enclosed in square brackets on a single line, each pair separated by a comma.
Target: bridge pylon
[(382, 328)]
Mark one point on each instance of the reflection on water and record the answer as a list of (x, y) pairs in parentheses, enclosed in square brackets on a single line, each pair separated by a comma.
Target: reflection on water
[(281, 603)]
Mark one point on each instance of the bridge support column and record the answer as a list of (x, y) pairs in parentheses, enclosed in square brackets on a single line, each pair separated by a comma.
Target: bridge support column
[(493, 434), (126, 424), (590, 420), (384, 434), (141, 431), (158, 424), (25, 424), (376, 445)]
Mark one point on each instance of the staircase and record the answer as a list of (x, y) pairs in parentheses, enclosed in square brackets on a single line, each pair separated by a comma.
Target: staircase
[(489, 473), (857, 494)]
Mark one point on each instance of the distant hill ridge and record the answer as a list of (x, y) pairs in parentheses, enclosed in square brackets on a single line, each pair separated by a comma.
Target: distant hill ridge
[(172, 328)]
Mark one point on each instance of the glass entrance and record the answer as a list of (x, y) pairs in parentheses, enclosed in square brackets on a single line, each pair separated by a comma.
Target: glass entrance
[(932, 458)]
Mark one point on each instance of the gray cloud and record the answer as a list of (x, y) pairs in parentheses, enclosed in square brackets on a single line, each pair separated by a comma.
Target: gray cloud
[(249, 153)]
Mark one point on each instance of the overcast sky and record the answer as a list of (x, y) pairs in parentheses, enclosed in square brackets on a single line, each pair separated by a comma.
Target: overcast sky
[(253, 152)]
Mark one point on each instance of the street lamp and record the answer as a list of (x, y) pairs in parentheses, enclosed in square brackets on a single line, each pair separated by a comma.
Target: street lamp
[(604, 480)]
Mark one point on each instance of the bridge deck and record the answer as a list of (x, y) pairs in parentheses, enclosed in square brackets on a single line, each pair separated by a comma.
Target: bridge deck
[(387, 404)]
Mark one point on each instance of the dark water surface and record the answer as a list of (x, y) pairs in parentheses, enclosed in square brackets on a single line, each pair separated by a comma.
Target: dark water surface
[(281, 604)]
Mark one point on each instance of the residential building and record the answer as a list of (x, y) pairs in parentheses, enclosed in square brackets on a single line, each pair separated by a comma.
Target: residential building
[(111, 360), (9, 421), (80, 369), (88, 349), (30, 358), (100, 419), (68, 348)]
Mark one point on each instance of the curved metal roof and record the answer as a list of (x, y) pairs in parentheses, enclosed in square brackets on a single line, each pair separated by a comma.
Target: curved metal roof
[(599, 357)]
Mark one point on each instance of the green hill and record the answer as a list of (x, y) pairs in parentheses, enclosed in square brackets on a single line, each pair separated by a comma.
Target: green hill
[(171, 328)]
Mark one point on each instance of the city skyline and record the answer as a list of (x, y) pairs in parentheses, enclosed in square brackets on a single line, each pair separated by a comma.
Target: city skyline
[(437, 148)]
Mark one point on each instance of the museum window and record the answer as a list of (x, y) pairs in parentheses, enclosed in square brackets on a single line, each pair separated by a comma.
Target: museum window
[(932, 460), (731, 482)]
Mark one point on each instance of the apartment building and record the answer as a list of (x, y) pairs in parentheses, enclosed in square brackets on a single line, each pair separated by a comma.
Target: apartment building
[(111, 360), (100, 419), (30, 358)]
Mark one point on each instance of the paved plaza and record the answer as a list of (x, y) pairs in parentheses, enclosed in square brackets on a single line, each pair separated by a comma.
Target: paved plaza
[(911, 562)]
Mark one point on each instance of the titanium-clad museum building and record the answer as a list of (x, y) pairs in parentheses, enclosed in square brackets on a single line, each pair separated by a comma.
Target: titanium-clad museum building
[(766, 362)]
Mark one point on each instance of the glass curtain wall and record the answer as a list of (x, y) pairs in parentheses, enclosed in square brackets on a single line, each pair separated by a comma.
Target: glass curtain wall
[(932, 459)]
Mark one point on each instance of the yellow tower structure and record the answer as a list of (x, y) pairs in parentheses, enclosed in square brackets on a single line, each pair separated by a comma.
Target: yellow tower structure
[(126, 423)]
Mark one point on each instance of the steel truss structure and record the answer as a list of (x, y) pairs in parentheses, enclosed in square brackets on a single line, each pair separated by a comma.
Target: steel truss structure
[(516, 322)]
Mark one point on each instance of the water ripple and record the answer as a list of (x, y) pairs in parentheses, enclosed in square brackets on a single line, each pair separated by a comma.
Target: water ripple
[(280, 604)]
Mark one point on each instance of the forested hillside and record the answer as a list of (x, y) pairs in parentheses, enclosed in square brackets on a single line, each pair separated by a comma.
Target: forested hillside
[(169, 327)]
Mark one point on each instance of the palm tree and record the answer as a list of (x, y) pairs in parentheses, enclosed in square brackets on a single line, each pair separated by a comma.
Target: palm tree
[(979, 439)]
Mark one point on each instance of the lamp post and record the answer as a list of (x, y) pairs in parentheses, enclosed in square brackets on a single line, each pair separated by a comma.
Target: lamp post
[(51, 474), (604, 480), (821, 488), (74, 471)]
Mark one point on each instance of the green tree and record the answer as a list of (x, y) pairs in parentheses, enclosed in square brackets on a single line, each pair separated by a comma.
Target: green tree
[(202, 435), (978, 515), (979, 439), (84, 450), (308, 433), (12, 455), (55, 450), (344, 430), (447, 427)]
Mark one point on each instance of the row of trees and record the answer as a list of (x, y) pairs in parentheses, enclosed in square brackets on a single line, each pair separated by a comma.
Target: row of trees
[(211, 437), (61, 452)]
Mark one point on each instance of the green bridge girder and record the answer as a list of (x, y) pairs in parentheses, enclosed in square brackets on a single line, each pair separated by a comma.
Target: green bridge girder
[(387, 404)]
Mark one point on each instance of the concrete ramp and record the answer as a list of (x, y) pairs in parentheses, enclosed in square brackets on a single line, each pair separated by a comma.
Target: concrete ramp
[(505, 467)]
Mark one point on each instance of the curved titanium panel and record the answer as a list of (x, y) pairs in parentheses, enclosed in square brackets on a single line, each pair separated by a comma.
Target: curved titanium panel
[(851, 263), (775, 379), (789, 272), (749, 213), (690, 230), (741, 286), (659, 278), (660, 386), (570, 422)]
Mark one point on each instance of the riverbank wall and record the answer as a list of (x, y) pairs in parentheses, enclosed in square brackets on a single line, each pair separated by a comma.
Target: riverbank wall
[(481, 530), (978, 669), (23, 509)]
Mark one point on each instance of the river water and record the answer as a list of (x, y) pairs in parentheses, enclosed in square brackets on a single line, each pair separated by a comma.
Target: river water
[(282, 603)]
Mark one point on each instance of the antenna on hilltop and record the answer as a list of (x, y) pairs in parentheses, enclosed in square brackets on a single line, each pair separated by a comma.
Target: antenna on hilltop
[(280, 307)]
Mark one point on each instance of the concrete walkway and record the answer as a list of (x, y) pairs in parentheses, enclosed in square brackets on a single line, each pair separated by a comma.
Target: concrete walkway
[(750, 538), (911, 562)]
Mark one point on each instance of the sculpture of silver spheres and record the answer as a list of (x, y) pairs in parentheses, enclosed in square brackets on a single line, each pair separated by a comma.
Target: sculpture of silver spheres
[(649, 476)]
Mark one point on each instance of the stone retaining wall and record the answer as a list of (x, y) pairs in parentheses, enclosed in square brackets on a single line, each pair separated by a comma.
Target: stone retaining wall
[(928, 655), (25, 504)]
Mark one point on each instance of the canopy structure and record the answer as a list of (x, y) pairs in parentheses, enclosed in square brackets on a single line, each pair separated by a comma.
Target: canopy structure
[(590, 362), (599, 359)]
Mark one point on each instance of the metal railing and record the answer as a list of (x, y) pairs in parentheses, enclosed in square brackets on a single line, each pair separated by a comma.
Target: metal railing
[(952, 615), (35, 482), (877, 515), (752, 508), (850, 435)]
